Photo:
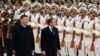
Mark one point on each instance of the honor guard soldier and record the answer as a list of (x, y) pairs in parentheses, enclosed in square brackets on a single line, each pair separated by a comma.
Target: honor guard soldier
[(54, 9), (60, 25), (1, 9), (78, 31), (88, 33), (35, 23), (16, 8), (44, 15), (69, 36), (7, 11), (68, 5), (97, 36), (6, 34), (6, 18), (25, 9)]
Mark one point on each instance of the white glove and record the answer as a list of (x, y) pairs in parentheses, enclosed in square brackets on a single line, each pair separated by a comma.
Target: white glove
[(2, 19)]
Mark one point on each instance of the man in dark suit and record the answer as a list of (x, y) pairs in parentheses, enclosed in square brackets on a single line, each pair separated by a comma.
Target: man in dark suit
[(22, 38), (50, 44)]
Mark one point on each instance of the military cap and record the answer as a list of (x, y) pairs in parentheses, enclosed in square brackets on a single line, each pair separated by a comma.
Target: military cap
[(93, 11), (47, 5), (17, 4), (83, 9), (62, 7), (91, 6), (81, 4), (74, 9), (36, 4), (54, 6), (26, 3)]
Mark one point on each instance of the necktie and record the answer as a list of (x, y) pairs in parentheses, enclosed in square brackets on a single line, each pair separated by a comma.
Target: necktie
[(53, 31)]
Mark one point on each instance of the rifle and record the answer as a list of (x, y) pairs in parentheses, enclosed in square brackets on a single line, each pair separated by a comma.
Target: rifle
[(80, 43), (1, 29), (93, 39), (1, 34), (63, 42), (92, 44), (64, 32), (72, 42), (0, 26), (8, 35), (37, 37)]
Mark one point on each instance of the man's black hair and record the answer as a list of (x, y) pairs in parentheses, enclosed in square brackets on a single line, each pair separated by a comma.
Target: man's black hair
[(50, 20), (22, 16)]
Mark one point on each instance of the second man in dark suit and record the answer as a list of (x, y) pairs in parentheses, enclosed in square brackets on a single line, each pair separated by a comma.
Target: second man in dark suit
[(50, 44)]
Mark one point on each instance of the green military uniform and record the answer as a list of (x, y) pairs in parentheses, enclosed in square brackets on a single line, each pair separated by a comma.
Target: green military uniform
[(7, 36), (1, 29), (6, 31), (0, 39)]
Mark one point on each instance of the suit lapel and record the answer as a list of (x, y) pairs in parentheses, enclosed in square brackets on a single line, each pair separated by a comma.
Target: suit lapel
[(49, 31)]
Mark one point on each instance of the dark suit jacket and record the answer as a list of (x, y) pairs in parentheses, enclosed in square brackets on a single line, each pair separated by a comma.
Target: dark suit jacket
[(22, 40), (50, 42)]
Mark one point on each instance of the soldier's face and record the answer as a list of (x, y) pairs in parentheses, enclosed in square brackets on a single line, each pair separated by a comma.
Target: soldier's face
[(25, 20), (62, 12), (36, 9), (47, 10), (72, 14), (53, 11), (83, 14), (92, 16), (17, 7), (68, 4), (26, 8)]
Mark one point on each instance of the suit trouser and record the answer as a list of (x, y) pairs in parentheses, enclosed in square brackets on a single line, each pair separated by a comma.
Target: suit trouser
[(37, 54)]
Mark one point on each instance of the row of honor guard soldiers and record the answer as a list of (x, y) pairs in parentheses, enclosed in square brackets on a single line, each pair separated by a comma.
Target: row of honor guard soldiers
[(55, 1), (78, 26)]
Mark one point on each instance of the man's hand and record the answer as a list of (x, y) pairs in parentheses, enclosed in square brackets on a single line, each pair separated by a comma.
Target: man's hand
[(43, 53), (32, 52), (58, 53), (13, 51)]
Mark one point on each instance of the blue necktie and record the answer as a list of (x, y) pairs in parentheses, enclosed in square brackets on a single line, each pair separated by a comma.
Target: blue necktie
[(53, 31)]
